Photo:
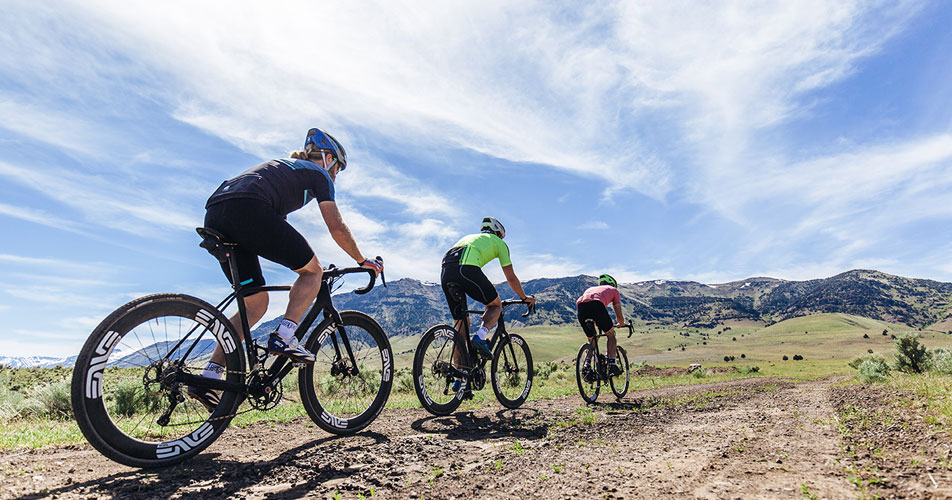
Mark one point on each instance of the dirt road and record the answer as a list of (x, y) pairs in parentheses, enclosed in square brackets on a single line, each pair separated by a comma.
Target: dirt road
[(754, 438)]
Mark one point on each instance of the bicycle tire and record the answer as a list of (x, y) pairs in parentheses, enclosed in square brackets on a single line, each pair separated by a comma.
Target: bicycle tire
[(620, 382), (343, 404), (508, 370), (109, 383), (588, 389), (430, 380)]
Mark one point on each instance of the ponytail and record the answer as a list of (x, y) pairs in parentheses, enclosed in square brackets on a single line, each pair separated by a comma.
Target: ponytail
[(314, 156)]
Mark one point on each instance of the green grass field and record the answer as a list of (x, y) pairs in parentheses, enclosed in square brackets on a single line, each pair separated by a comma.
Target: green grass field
[(827, 342)]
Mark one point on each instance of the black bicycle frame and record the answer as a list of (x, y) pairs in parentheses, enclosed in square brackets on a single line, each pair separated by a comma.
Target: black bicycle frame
[(499, 335), (281, 365)]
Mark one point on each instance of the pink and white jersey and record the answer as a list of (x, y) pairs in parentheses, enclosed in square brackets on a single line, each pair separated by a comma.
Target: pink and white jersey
[(606, 294)]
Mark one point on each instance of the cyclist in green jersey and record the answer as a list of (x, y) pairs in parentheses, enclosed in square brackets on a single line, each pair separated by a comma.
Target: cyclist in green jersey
[(463, 264)]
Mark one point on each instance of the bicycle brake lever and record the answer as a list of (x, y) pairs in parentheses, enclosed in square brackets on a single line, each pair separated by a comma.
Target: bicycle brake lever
[(382, 278)]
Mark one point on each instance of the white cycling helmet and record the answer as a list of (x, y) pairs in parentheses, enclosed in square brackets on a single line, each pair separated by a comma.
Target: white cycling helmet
[(492, 225)]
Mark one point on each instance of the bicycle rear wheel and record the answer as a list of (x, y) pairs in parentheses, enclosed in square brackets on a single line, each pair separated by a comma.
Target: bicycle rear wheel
[(586, 373), (336, 399), (438, 352), (512, 371), (124, 381), (620, 382)]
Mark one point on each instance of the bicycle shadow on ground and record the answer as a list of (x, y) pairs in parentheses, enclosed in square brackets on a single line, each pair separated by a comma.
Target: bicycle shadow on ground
[(209, 476), (522, 423)]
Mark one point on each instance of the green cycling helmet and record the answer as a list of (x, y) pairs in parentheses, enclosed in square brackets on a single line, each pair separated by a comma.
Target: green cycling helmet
[(606, 279)]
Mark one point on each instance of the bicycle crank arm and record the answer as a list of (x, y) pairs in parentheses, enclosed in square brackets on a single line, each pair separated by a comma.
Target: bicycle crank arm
[(210, 383)]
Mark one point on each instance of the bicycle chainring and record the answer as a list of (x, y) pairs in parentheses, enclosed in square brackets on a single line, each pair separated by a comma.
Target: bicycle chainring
[(261, 395), (479, 379)]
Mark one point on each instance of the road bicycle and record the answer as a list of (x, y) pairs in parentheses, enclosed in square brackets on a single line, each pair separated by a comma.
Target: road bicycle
[(446, 366), (591, 368), (131, 380)]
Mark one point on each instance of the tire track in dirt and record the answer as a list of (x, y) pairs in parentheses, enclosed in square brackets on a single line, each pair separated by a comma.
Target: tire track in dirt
[(752, 438)]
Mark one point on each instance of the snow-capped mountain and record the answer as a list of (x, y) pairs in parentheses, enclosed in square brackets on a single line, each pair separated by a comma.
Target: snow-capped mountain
[(37, 361)]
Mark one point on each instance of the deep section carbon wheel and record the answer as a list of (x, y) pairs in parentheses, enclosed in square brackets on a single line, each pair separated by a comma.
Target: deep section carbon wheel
[(339, 396), (620, 382), (586, 373), (126, 395), (433, 378), (512, 371)]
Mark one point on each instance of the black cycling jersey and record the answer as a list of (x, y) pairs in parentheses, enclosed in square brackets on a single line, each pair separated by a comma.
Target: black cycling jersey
[(285, 184)]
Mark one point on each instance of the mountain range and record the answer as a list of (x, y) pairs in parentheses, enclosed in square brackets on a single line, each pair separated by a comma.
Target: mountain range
[(408, 306)]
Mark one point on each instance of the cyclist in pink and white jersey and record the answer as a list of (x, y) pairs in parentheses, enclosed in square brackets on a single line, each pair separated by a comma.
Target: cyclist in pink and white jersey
[(592, 305)]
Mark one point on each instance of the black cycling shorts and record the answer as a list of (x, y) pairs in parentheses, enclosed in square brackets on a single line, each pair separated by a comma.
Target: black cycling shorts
[(259, 231), (597, 311), (472, 282)]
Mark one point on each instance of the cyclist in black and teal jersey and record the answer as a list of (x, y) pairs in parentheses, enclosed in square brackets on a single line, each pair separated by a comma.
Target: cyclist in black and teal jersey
[(463, 264), (251, 210)]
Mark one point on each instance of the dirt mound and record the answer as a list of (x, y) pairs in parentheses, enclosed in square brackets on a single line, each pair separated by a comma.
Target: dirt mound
[(654, 371)]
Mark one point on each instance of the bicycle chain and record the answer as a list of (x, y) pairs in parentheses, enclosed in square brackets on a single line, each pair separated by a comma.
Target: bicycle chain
[(232, 415)]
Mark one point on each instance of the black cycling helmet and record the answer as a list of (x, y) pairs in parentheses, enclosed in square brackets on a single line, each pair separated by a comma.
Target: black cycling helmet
[(319, 141), (606, 279)]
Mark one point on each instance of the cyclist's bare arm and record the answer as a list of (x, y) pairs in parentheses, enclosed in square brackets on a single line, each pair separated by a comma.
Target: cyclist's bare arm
[(515, 284), (339, 231), (619, 316)]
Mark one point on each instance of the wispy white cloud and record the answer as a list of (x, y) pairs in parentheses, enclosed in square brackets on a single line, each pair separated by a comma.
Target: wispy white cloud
[(40, 217), (101, 200)]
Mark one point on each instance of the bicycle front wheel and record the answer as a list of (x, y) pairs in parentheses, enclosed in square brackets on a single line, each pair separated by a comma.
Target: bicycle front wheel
[(339, 397), (125, 393), (620, 382), (512, 371), (586, 373), (433, 378)]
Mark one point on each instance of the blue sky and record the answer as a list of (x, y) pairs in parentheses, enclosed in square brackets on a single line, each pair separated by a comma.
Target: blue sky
[(652, 140)]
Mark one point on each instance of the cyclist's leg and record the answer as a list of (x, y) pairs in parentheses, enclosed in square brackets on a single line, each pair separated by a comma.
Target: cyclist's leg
[(255, 305), (478, 286), (612, 349), (229, 218), (456, 301), (605, 324), (304, 290)]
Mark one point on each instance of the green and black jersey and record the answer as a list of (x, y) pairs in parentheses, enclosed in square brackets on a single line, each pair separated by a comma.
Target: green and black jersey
[(479, 249)]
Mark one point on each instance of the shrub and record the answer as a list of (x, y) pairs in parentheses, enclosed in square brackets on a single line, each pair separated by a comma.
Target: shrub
[(877, 363), (752, 369), (742, 356), (942, 360), (699, 373), (785, 358), (734, 339), (911, 356), (55, 400), (10, 404), (885, 332), (727, 359), (797, 357), (870, 371), (865, 335)]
